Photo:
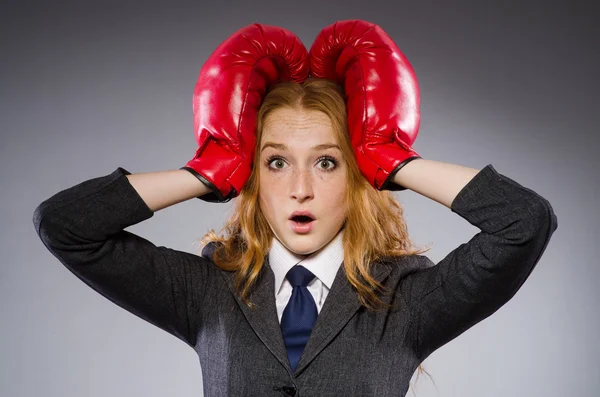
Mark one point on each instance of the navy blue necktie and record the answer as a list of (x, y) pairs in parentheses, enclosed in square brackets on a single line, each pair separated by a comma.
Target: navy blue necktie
[(299, 315)]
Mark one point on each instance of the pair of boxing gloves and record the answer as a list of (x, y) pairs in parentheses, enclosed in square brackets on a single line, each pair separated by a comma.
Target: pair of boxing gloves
[(382, 99)]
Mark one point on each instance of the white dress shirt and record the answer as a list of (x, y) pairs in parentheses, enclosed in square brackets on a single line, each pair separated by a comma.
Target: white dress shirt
[(324, 264)]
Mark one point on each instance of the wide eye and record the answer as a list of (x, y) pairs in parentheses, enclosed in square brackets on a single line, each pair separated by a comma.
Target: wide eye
[(274, 159), (325, 161), (280, 162)]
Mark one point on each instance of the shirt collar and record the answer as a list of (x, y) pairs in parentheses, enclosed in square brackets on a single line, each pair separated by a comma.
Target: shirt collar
[(324, 264)]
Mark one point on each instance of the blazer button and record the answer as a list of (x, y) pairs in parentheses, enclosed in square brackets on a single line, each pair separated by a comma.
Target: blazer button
[(289, 390)]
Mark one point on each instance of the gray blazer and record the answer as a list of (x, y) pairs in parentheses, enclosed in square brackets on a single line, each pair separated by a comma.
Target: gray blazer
[(351, 351)]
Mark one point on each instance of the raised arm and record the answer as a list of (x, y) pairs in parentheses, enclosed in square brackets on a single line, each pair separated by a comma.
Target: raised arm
[(165, 188), (436, 180), (477, 278), (83, 227)]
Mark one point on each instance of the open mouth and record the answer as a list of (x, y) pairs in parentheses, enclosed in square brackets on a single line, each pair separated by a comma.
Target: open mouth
[(302, 219), (302, 224)]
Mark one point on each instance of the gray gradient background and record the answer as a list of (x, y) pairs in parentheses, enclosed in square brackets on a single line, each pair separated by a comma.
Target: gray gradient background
[(86, 88)]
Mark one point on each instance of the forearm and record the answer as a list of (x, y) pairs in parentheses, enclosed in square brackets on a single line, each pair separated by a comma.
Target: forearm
[(165, 188), (436, 180)]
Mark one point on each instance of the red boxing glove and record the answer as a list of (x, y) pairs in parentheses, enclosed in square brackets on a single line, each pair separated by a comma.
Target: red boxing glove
[(382, 96), (230, 89)]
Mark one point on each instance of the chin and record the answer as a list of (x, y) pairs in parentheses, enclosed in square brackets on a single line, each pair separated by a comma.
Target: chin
[(305, 248), (301, 249), (304, 245)]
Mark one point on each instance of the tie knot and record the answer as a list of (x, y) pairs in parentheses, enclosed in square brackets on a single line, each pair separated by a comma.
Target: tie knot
[(299, 276)]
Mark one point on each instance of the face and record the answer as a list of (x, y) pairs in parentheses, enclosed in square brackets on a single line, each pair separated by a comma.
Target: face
[(297, 176)]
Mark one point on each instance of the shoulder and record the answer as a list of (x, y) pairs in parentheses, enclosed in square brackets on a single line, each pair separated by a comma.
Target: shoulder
[(406, 265), (404, 270)]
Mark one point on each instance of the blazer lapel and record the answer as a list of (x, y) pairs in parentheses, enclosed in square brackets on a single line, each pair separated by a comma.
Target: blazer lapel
[(263, 319), (340, 305)]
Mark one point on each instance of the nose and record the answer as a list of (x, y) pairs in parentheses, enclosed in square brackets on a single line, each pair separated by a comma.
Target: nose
[(301, 188)]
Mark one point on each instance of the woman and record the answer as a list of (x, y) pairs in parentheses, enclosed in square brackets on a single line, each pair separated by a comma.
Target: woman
[(249, 304)]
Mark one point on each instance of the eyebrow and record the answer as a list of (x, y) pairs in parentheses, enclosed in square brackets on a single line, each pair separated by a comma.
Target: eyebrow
[(281, 146)]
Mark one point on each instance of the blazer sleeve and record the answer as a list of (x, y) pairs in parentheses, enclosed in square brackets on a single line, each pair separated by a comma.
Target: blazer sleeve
[(480, 276), (83, 226)]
